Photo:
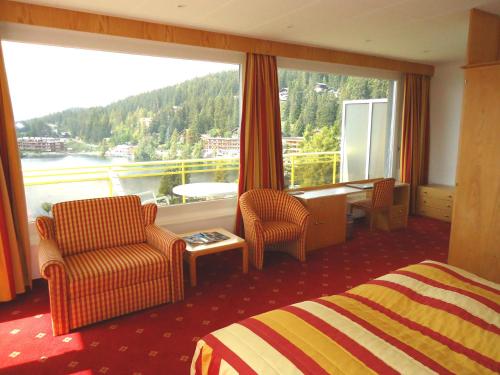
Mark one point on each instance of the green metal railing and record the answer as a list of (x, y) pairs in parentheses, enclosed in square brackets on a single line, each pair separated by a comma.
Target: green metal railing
[(115, 172)]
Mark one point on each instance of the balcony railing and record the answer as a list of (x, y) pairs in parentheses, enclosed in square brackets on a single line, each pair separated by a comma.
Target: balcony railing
[(116, 175)]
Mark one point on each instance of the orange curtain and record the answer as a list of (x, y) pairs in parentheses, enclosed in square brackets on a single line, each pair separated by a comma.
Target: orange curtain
[(261, 154), (415, 134), (15, 273)]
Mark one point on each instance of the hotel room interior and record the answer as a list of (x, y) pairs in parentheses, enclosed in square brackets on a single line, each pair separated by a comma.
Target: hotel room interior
[(250, 187)]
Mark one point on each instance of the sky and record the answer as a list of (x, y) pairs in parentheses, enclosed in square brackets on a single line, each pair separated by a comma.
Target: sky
[(46, 79)]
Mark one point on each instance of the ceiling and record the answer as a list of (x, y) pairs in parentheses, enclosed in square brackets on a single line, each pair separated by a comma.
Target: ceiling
[(432, 31)]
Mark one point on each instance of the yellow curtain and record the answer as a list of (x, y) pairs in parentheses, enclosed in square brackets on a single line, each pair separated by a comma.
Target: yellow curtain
[(15, 273), (261, 154), (415, 134)]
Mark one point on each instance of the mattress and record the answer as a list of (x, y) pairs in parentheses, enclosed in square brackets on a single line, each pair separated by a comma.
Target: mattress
[(425, 318)]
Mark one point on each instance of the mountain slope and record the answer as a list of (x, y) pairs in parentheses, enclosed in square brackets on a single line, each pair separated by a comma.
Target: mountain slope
[(208, 104)]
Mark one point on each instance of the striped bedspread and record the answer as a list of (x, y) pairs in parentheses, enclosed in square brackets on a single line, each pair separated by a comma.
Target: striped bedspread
[(425, 318)]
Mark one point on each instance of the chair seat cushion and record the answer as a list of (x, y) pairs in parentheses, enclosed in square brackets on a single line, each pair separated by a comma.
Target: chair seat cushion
[(367, 203), (97, 271), (277, 231)]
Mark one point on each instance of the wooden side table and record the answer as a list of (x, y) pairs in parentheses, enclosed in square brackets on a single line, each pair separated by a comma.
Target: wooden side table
[(193, 252)]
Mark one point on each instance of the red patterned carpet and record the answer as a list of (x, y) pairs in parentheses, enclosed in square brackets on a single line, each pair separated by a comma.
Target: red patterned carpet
[(161, 340)]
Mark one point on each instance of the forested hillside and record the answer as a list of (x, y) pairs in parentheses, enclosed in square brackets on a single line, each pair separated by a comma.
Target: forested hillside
[(210, 104), (305, 106)]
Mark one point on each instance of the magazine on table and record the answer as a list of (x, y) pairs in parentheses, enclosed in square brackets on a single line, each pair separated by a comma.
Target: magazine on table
[(205, 238)]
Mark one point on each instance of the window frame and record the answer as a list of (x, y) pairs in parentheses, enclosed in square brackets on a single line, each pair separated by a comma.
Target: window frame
[(88, 41), (347, 70)]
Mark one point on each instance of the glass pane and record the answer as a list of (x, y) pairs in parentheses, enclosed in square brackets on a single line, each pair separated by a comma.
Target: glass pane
[(94, 124), (355, 140), (380, 136), (312, 105)]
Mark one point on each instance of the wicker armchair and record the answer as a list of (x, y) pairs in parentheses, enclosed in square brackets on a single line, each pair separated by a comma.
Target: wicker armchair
[(272, 217), (104, 258)]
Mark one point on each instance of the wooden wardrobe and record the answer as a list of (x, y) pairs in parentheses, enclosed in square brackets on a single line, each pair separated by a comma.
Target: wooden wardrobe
[(475, 230)]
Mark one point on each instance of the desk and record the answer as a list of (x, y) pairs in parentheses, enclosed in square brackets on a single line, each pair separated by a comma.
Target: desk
[(328, 207)]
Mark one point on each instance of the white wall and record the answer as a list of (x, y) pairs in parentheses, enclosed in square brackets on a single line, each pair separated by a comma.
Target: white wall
[(447, 86)]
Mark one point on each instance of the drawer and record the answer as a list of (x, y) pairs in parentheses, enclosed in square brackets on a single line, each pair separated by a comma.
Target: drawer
[(435, 213), (443, 204), (435, 193)]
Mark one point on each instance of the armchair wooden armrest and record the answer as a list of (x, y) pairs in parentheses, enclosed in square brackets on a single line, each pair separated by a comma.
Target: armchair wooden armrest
[(173, 247)]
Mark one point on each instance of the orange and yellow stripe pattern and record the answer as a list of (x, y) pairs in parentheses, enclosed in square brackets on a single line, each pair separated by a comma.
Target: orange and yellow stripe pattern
[(415, 133), (105, 257), (422, 319), (270, 217), (261, 159)]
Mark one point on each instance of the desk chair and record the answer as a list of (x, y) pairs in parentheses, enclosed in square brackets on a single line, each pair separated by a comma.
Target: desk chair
[(381, 200)]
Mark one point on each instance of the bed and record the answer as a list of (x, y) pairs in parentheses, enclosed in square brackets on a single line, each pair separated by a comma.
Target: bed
[(425, 318)]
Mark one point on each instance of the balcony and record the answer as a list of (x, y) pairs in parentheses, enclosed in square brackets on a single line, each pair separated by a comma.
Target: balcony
[(155, 180)]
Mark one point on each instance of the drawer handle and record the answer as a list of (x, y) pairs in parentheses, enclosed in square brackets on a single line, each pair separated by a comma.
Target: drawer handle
[(450, 196)]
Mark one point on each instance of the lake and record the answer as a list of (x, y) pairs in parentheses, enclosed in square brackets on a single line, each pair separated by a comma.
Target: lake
[(41, 196), (63, 161), (37, 195)]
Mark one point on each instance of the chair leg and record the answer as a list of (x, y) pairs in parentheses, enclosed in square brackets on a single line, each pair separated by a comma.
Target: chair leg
[(372, 219)]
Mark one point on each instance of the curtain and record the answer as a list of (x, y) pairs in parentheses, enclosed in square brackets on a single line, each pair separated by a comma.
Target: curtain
[(261, 155), (15, 273), (415, 134)]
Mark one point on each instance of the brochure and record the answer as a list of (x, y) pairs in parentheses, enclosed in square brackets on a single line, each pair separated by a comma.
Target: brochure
[(204, 238)]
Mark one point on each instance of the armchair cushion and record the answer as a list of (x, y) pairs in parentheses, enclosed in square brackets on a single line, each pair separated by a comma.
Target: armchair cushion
[(97, 271), (280, 231), (362, 203), (100, 223)]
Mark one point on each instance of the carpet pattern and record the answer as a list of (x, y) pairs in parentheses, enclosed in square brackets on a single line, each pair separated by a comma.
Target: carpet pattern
[(161, 340)]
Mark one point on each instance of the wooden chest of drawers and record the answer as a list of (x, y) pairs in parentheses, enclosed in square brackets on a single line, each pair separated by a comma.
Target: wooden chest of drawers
[(435, 201)]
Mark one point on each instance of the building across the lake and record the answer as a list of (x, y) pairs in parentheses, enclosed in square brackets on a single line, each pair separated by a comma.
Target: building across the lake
[(230, 146), (291, 145), (123, 151), (41, 144), (220, 146)]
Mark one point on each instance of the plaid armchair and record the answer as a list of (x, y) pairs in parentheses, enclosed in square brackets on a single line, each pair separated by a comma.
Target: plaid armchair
[(105, 257), (272, 217)]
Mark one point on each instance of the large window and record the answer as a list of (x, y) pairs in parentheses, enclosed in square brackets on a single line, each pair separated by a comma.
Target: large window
[(335, 128), (94, 124)]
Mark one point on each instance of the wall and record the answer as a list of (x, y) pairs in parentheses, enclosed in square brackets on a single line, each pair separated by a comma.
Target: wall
[(447, 86)]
